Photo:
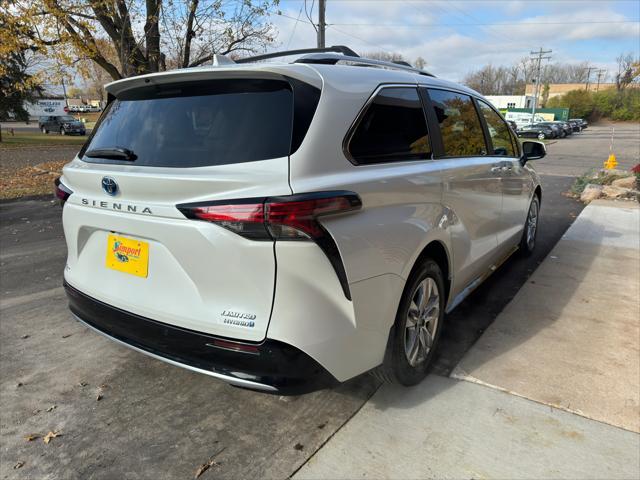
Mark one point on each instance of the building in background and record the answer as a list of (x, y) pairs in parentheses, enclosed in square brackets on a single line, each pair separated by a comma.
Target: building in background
[(505, 102)]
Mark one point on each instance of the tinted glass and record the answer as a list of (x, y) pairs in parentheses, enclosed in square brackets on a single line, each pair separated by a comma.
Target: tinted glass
[(498, 131), (392, 129), (462, 134), (199, 124)]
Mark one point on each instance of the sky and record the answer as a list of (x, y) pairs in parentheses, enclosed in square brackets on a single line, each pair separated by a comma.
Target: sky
[(456, 37)]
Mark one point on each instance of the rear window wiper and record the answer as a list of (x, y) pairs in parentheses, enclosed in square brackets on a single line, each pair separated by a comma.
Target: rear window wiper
[(117, 153)]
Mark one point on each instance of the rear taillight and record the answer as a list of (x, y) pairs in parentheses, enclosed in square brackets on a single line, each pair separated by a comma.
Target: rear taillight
[(246, 219), (292, 217), (61, 191)]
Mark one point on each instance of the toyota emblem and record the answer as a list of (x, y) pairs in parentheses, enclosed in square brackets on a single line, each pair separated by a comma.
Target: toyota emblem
[(110, 186)]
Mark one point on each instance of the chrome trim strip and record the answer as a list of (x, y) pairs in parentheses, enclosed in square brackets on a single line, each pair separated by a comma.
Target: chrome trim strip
[(232, 380)]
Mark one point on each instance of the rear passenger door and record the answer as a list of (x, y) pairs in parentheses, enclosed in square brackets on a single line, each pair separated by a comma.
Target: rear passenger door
[(471, 186), (515, 181)]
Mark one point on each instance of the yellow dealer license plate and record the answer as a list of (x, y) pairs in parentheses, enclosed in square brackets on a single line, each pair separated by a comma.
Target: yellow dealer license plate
[(128, 255)]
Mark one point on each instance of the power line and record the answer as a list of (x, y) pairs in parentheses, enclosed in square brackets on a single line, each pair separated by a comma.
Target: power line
[(309, 14), (359, 38), (329, 25), (295, 25), (468, 24)]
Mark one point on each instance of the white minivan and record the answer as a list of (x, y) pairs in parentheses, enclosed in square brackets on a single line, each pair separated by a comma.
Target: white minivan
[(286, 227), (521, 118)]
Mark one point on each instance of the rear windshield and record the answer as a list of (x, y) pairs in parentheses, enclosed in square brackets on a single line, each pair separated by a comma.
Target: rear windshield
[(200, 124)]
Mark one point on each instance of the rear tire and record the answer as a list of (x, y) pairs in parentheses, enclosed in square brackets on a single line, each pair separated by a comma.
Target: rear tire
[(44, 130), (541, 136), (530, 232), (414, 336), (62, 132)]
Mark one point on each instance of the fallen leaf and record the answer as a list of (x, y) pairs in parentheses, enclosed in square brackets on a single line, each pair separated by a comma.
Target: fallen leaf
[(206, 466), (31, 437), (47, 438), (52, 407), (67, 335), (18, 465), (19, 384), (83, 384), (36, 411), (25, 336), (98, 397), (299, 446)]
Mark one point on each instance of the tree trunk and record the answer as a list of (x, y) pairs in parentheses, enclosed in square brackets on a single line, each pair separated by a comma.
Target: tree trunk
[(152, 35)]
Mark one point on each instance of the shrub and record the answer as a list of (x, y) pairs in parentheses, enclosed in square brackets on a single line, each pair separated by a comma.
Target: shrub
[(610, 103)]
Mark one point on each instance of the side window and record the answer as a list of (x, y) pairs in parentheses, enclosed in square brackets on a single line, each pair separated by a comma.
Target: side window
[(498, 131), (392, 129), (462, 134), (516, 144)]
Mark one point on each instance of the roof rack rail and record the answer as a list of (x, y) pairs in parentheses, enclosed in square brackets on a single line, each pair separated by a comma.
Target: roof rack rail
[(332, 59), (335, 48)]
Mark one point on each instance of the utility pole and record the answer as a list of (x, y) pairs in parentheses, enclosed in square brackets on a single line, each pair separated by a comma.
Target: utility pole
[(322, 5), (588, 69), (539, 56), (601, 73)]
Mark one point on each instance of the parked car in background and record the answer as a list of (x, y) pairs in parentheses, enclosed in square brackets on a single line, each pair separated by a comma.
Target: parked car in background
[(576, 125), (558, 131), (300, 224), (566, 127), (536, 131), (63, 124), (583, 123)]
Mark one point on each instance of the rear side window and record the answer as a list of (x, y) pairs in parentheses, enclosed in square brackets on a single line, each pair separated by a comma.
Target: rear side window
[(392, 129), (498, 131), (462, 134), (197, 124)]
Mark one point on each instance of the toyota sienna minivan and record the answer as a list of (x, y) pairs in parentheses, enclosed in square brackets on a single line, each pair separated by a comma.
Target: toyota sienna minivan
[(285, 227)]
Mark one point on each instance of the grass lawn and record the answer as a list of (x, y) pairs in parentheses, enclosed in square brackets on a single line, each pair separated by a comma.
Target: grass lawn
[(27, 181), (39, 138)]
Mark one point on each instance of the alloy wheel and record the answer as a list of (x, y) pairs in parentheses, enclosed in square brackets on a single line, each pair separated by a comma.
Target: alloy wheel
[(422, 321), (532, 224)]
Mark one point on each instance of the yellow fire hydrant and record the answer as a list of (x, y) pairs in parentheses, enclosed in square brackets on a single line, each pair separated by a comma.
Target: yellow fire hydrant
[(611, 162)]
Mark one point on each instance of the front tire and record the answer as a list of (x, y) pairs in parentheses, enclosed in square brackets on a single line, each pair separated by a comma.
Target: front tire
[(541, 136), (416, 331), (530, 232), (44, 130), (62, 131)]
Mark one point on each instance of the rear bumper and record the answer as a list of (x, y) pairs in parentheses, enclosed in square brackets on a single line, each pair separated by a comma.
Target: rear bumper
[(276, 367)]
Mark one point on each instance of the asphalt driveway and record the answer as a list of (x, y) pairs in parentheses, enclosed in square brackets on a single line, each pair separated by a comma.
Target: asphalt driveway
[(120, 414)]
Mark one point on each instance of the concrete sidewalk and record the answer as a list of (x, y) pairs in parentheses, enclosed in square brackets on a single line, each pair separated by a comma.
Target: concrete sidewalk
[(571, 336), (567, 346), (446, 428)]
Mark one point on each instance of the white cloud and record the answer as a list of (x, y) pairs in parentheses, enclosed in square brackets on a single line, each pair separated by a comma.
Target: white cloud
[(452, 51)]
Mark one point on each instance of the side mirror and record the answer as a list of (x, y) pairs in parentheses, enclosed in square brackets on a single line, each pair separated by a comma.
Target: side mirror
[(533, 150)]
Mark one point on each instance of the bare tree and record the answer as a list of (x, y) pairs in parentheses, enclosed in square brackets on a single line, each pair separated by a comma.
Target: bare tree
[(420, 63), (146, 35), (628, 71), (385, 56)]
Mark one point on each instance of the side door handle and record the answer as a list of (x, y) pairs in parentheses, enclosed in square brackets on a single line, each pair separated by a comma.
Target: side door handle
[(502, 167)]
